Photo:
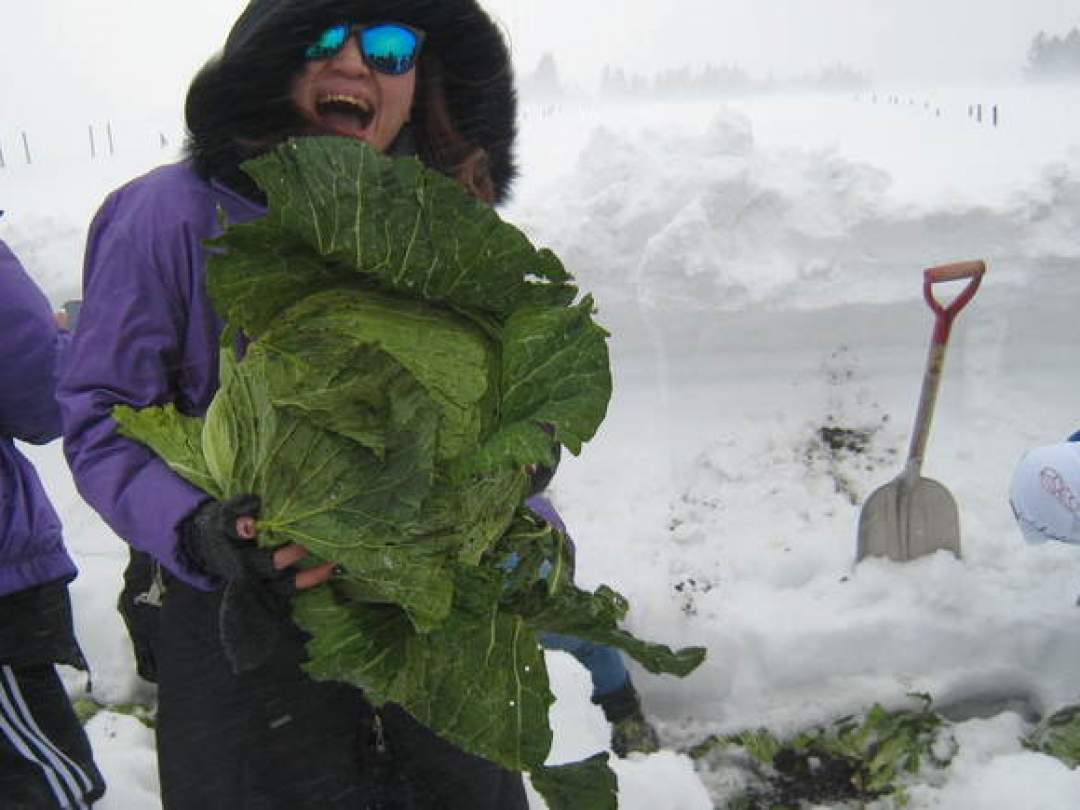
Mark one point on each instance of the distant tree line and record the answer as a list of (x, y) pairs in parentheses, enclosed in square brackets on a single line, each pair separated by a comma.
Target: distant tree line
[(724, 80), (1052, 57), (710, 81)]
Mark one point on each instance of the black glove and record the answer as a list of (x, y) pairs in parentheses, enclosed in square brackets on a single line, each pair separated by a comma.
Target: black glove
[(255, 604), (630, 731)]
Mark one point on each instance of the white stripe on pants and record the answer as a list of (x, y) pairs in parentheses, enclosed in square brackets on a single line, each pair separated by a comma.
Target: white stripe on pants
[(23, 732)]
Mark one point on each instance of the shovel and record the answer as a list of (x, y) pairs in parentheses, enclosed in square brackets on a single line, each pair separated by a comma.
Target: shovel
[(911, 516)]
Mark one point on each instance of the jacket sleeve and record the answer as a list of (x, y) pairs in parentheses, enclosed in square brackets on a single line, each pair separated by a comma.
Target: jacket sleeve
[(31, 346), (127, 350)]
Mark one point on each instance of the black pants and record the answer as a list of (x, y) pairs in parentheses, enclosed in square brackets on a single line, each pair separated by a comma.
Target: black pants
[(273, 739), (45, 758)]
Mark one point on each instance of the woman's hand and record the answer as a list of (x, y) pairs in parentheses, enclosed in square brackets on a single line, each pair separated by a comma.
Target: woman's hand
[(287, 556), (219, 540)]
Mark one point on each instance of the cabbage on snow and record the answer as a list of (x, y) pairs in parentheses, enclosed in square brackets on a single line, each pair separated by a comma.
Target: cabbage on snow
[(406, 349)]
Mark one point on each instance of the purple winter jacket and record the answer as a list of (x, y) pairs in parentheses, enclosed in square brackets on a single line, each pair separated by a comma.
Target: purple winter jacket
[(31, 545), (540, 505), (147, 335)]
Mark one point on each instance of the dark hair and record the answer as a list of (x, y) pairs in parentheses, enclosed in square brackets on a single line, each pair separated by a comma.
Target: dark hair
[(439, 143), (240, 104)]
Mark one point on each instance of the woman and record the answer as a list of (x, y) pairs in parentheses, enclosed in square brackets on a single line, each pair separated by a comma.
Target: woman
[(45, 757), (239, 725)]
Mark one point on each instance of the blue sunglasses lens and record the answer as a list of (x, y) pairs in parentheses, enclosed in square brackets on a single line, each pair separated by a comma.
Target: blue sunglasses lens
[(330, 42), (390, 48)]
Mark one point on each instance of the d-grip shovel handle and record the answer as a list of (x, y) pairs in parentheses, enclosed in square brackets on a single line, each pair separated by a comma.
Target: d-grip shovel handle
[(951, 272), (945, 315)]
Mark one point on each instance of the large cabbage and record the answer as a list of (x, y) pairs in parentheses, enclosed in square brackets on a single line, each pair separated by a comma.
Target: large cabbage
[(409, 354)]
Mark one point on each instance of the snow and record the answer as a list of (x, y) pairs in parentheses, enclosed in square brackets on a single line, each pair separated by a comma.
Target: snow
[(124, 751), (758, 263)]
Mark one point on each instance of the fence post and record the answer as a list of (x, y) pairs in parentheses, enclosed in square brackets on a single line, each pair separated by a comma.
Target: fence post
[(26, 149), (93, 146), (995, 115), (108, 131), (3, 165)]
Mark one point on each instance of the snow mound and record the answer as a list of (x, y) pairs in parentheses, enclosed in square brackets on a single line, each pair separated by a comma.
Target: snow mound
[(712, 220)]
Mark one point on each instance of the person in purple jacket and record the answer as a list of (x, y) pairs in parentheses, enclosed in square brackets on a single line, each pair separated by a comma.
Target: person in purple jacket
[(45, 757), (239, 725)]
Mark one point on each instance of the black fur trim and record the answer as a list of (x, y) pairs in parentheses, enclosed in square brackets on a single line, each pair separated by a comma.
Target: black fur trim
[(238, 105)]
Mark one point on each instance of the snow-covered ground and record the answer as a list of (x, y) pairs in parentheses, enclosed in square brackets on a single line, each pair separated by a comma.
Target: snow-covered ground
[(759, 266)]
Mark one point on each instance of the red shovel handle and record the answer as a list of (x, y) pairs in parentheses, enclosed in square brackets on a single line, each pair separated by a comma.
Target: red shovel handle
[(951, 272)]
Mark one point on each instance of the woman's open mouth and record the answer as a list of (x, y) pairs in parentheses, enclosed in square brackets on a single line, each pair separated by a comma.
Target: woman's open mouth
[(344, 114)]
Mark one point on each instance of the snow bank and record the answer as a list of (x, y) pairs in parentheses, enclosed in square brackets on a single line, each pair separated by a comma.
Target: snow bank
[(705, 217), (990, 772)]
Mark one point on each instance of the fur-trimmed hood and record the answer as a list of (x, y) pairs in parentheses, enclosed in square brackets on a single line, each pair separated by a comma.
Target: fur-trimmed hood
[(239, 103)]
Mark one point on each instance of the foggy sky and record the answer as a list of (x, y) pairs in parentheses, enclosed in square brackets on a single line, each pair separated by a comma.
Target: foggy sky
[(116, 55), (892, 40)]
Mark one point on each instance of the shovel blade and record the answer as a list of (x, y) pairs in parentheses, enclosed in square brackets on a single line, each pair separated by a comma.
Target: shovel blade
[(904, 520)]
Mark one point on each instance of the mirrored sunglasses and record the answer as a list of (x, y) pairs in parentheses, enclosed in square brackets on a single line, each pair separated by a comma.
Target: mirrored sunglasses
[(390, 48)]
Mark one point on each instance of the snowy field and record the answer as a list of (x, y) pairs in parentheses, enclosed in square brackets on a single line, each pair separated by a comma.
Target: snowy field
[(759, 265)]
